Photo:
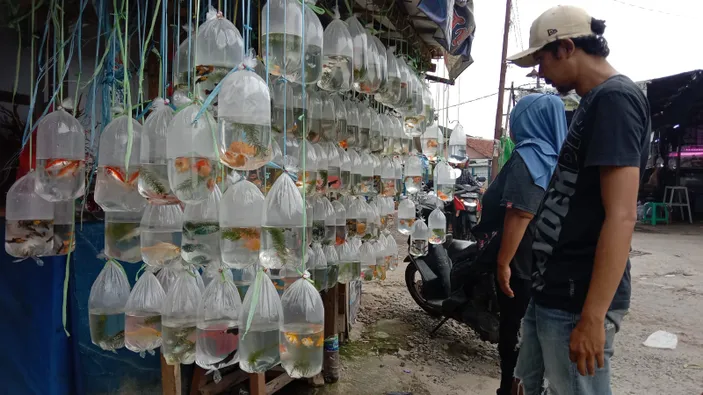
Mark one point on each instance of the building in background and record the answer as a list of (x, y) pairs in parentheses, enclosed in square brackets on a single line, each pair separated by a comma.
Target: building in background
[(480, 153)]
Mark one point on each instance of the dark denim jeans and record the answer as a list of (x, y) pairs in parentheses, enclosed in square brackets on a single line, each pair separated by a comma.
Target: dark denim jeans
[(543, 363)]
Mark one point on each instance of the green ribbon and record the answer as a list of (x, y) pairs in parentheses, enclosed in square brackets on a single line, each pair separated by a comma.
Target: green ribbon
[(64, 303), (316, 9), (255, 300)]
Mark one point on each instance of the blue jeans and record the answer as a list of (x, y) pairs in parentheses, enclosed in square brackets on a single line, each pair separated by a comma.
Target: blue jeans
[(544, 361)]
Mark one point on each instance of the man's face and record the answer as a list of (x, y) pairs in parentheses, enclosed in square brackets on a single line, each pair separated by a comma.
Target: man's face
[(556, 69)]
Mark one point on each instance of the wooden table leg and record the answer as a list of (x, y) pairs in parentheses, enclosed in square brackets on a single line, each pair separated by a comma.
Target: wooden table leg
[(257, 384), (170, 378)]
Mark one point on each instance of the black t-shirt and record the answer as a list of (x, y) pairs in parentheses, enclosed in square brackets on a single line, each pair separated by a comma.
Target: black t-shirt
[(514, 188), (610, 128)]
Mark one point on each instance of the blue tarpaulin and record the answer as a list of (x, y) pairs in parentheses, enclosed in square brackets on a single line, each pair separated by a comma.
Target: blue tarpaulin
[(38, 357)]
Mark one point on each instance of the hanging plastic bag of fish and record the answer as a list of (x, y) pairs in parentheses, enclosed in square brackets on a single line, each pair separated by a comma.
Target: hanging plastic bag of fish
[(355, 173), (340, 120), (366, 187), (200, 245), (413, 174), (367, 255), (337, 60), (192, 154), (179, 317), (405, 87), (318, 267), (281, 40), (333, 166), (387, 178), (372, 81), (142, 330), (324, 221), (260, 320), (349, 263), (431, 141), (161, 231), (241, 210), (457, 150), (106, 303), (282, 225), (386, 132), (428, 103), (244, 117), (184, 68), (168, 274), (332, 259), (311, 69), (123, 235), (361, 141), (353, 123), (392, 252), (322, 175), (217, 335), (314, 115), (340, 221), (328, 120), (265, 176), (406, 216), (437, 223), (60, 155), (29, 220), (116, 184), (282, 115), (243, 278), (216, 271), (360, 62), (414, 111), (355, 219), (153, 171), (373, 220), (376, 132), (301, 111), (345, 168), (376, 173), (302, 329), (218, 49), (64, 219), (380, 251), (306, 181), (444, 181), (389, 93), (419, 239), (398, 170)]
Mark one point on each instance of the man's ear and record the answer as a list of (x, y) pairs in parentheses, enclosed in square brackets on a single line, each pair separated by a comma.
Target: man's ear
[(568, 47)]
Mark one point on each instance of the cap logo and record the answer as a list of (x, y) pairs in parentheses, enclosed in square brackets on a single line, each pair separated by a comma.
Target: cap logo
[(551, 32)]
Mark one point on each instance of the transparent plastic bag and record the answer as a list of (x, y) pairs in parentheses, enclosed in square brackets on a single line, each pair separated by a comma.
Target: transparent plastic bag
[(366, 186), (168, 275), (260, 319), (192, 154), (355, 172), (444, 181), (153, 171), (328, 120), (353, 122), (333, 166), (108, 297), (340, 120), (389, 93), (281, 39), (244, 120), (64, 218), (431, 142), (324, 221), (282, 225), (219, 48), (365, 121), (243, 278), (371, 81), (387, 178), (322, 176), (217, 331), (318, 267), (123, 235), (392, 248), (382, 65), (398, 170), (338, 52), (376, 132), (359, 54), (60, 155), (345, 169), (314, 36), (142, 330), (413, 174), (307, 169), (340, 213), (241, 211), (406, 216), (419, 239), (332, 259), (302, 330), (314, 112), (265, 176), (457, 145), (282, 114), (200, 244), (356, 219), (179, 317), (115, 186), (216, 271), (367, 254), (161, 230), (437, 223), (29, 220), (349, 262)]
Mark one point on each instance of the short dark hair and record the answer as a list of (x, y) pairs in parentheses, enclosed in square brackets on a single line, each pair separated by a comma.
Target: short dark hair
[(595, 45)]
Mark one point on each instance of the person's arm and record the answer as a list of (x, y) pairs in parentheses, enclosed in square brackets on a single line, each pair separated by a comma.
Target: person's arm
[(514, 227)]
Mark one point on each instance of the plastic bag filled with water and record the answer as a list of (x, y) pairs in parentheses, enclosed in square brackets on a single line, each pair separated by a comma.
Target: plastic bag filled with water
[(281, 40), (406, 216), (200, 244), (282, 114), (108, 297), (243, 278), (265, 176), (168, 275), (364, 133), (356, 219), (419, 239), (323, 221), (331, 149), (142, 330), (387, 178), (340, 120), (437, 223), (381, 66), (366, 186), (217, 334), (444, 181), (260, 321), (302, 330), (218, 49), (116, 184), (161, 230), (60, 155), (340, 228), (337, 60), (192, 154), (64, 218), (282, 225), (353, 122), (392, 247), (332, 259), (241, 212), (389, 93), (367, 255), (322, 175), (29, 220), (179, 318), (376, 132), (431, 141), (413, 174), (345, 170), (153, 171), (317, 266), (457, 145), (306, 181), (123, 235), (349, 263), (244, 120), (328, 120)]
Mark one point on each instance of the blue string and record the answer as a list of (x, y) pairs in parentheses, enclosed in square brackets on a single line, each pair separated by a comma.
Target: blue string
[(211, 97), (163, 44), (190, 38), (145, 110), (247, 27)]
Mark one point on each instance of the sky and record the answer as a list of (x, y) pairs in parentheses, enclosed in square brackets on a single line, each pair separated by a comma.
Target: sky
[(647, 38)]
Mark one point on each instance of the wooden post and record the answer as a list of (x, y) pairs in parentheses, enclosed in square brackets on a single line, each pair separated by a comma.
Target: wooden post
[(257, 384), (498, 132), (170, 378), (343, 312)]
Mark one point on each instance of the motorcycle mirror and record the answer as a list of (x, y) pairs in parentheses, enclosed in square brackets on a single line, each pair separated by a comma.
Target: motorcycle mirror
[(481, 179)]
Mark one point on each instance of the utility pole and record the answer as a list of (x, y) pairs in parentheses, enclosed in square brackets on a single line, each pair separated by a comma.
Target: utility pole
[(498, 132)]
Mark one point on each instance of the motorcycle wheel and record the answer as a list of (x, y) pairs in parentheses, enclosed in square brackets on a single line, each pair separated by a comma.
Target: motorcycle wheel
[(414, 287)]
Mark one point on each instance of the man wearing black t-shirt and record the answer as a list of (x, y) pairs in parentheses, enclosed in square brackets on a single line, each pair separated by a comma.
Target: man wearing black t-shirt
[(583, 230)]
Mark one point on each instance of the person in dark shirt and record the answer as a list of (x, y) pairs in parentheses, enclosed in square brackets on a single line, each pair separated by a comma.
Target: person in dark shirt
[(583, 230), (538, 128)]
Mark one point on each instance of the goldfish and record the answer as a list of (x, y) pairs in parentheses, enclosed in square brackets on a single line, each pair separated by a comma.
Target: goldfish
[(320, 341), (282, 349), (343, 144), (442, 195), (307, 342), (202, 166), (292, 338), (62, 167), (162, 252), (432, 143), (210, 184), (238, 147), (144, 332), (360, 228), (252, 244), (182, 164), (118, 175), (233, 160)]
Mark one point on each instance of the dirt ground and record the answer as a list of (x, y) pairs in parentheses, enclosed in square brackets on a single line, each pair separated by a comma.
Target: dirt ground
[(391, 352)]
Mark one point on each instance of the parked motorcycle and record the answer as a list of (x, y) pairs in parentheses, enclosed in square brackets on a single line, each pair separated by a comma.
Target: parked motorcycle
[(453, 282), (467, 209)]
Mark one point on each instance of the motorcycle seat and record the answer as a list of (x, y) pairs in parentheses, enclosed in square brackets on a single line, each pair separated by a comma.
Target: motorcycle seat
[(459, 250)]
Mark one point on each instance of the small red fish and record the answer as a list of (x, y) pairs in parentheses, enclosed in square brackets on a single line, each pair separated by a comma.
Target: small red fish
[(119, 176), (62, 167)]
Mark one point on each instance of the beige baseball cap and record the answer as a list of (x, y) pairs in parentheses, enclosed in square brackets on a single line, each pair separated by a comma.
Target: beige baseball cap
[(560, 22)]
